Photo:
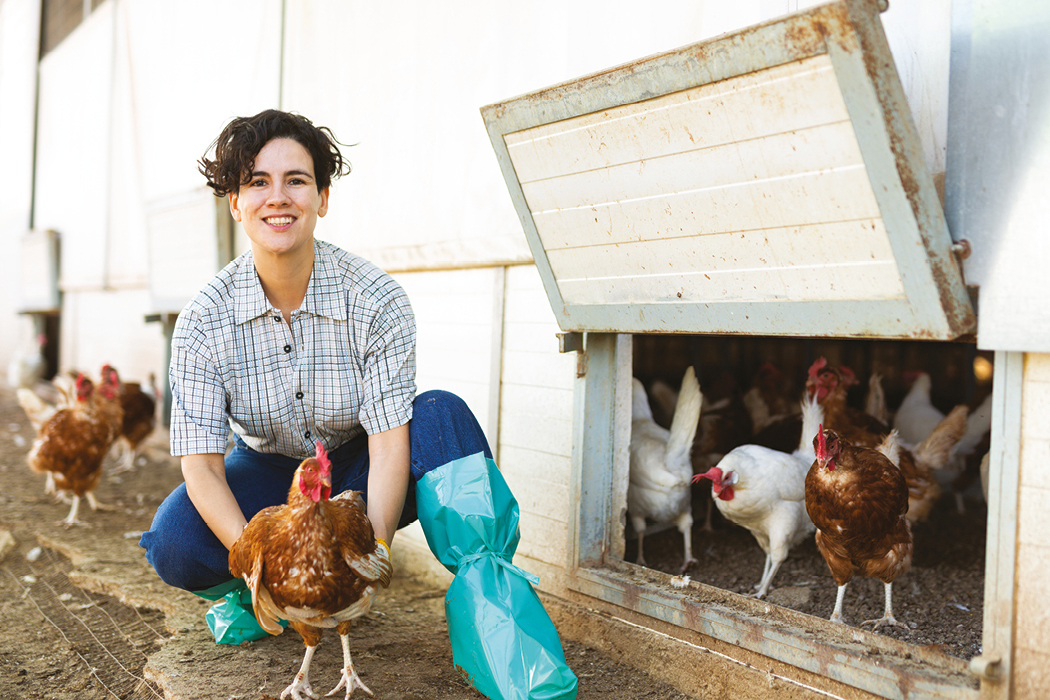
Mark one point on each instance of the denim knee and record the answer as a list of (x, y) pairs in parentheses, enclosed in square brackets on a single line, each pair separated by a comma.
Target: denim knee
[(443, 429), (181, 548)]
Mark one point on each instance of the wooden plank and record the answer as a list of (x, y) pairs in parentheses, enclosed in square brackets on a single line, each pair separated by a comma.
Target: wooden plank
[(797, 95), (827, 147), (542, 465), (825, 196)]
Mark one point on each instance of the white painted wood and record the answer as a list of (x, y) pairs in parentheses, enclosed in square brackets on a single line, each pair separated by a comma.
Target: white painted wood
[(455, 334), (536, 417), (749, 189), (809, 152), (775, 265), (779, 100), (553, 468)]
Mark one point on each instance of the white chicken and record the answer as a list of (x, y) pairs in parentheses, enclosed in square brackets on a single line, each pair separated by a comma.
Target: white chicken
[(28, 365), (917, 416), (764, 490), (660, 473)]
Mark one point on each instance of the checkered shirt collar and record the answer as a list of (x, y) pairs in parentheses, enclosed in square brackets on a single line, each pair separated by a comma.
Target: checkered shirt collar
[(250, 302)]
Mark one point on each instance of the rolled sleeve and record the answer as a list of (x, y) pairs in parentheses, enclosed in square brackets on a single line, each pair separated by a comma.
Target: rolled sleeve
[(390, 366), (199, 413)]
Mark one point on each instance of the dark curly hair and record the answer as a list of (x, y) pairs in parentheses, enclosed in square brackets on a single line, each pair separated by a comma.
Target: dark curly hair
[(243, 138)]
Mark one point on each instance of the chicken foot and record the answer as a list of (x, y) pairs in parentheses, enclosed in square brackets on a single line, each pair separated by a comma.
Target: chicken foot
[(96, 504), (768, 572), (836, 614), (301, 684), (71, 519), (349, 677), (685, 526), (887, 615)]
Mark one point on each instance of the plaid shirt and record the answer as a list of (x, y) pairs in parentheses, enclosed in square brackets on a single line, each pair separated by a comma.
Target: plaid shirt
[(346, 365)]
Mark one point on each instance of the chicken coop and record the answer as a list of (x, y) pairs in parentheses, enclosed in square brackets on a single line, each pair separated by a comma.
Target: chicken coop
[(762, 198)]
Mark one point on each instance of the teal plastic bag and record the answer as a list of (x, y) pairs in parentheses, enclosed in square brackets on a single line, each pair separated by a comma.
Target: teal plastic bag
[(232, 619), (503, 641)]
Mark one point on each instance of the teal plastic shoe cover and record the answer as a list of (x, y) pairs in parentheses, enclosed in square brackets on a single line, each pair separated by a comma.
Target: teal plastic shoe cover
[(232, 619), (503, 640)]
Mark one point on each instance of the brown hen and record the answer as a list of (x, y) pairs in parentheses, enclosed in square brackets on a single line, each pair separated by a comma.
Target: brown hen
[(858, 499), (314, 562)]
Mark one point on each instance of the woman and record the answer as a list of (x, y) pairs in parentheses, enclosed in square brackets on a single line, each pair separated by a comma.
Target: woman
[(293, 342)]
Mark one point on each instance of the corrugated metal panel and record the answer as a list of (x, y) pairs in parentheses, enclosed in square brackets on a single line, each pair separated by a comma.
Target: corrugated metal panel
[(767, 182)]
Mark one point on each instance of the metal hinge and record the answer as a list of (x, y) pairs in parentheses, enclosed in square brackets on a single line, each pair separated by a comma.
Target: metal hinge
[(573, 342)]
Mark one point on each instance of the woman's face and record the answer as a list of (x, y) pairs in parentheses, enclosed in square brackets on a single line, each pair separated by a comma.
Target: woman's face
[(280, 204)]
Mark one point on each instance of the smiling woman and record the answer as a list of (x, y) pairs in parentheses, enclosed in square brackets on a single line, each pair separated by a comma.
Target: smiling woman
[(278, 208), (295, 343)]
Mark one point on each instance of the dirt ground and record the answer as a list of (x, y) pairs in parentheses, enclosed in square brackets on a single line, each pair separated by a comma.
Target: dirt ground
[(85, 617)]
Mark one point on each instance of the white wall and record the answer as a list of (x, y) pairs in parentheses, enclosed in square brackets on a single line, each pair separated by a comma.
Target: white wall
[(19, 40)]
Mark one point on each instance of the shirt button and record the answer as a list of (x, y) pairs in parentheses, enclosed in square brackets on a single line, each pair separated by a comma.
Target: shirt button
[(307, 434), (298, 394), (287, 348)]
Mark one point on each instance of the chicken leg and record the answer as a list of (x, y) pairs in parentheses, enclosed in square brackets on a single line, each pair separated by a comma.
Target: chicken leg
[(349, 679), (685, 526), (301, 684), (768, 572), (836, 614), (887, 615)]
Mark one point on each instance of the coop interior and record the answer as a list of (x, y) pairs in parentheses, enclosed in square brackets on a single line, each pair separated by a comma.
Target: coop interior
[(939, 600)]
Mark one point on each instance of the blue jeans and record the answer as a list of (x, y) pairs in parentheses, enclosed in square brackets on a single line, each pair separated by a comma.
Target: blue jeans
[(187, 555)]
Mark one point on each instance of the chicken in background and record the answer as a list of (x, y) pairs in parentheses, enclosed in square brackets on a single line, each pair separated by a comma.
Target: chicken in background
[(660, 470), (70, 447), (829, 386), (724, 423), (858, 499), (875, 400), (917, 418), (764, 491), (770, 398), (107, 403), (28, 365), (662, 400), (139, 404), (314, 562), (971, 451)]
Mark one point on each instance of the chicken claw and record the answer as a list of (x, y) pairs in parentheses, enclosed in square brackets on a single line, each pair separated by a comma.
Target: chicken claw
[(349, 677), (301, 684), (885, 621)]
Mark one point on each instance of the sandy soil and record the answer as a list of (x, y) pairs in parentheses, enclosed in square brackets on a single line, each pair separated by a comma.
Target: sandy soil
[(88, 620)]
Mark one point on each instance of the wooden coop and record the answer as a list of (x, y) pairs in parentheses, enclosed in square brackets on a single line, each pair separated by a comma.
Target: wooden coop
[(762, 197)]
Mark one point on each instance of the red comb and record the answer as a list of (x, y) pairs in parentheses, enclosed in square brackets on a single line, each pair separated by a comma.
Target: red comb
[(322, 457), (820, 364), (822, 448)]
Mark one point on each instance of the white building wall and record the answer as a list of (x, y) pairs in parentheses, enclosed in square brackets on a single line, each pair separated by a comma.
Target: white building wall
[(1032, 622), (19, 46)]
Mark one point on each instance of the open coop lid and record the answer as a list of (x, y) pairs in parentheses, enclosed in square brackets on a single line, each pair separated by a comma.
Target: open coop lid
[(768, 182)]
